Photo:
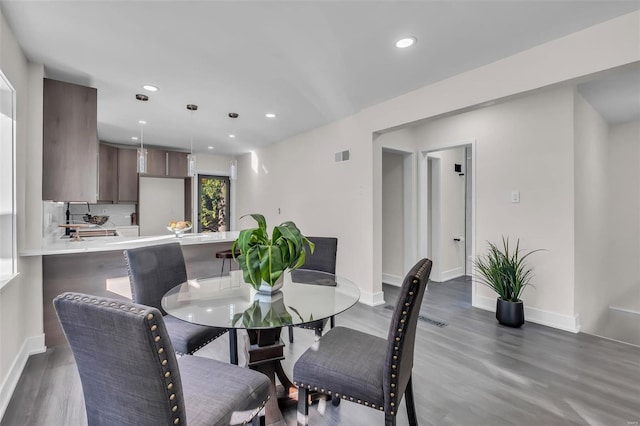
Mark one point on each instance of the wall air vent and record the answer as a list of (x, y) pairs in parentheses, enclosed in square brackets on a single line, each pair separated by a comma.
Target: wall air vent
[(342, 156)]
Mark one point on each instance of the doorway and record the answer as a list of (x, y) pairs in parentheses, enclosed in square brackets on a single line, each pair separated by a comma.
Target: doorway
[(447, 205), (213, 203)]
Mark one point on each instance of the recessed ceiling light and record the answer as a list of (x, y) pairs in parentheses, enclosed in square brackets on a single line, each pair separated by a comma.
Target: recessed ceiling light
[(210, 147), (270, 115), (150, 88), (232, 136), (142, 122), (405, 42), (135, 138)]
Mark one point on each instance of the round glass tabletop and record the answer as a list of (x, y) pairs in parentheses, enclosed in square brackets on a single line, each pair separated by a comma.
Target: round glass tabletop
[(229, 302)]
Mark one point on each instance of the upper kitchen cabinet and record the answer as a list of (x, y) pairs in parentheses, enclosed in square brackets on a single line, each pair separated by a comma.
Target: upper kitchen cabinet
[(70, 142), (127, 175), (108, 174), (156, 162), (177, 164)]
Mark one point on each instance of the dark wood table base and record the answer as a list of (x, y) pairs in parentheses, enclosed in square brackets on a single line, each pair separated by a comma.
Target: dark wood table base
[(264, 353)]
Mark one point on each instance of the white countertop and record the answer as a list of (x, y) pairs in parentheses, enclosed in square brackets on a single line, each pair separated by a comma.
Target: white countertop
[(98, 244)]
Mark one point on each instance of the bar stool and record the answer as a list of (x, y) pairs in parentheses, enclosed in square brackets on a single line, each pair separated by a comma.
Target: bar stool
[(225, 254)]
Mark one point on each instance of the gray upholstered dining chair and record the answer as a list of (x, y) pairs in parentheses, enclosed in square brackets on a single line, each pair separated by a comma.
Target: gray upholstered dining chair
[(130, 374), (358, 367), (154, 270), (322, 259)]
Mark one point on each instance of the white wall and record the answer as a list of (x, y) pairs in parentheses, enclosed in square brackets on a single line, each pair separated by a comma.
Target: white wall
[(623, 214), (21, 328), (591, 218), (345, 200), (392, 218), (526, 145)]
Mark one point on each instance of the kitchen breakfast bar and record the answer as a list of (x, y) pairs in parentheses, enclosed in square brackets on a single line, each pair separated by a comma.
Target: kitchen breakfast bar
[(95, 265)]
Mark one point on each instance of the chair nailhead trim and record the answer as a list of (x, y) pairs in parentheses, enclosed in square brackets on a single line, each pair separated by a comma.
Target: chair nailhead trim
[(157, 339), (174, 408), (167, 374), (170, 386), (150, 317), (176, 421), (161, 350), (172, 397), (154, 327)]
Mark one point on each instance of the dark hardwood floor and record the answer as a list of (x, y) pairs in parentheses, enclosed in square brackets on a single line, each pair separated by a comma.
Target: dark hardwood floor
[(472, 371)]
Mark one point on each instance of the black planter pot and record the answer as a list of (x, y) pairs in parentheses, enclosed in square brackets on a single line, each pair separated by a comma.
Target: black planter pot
[(510, 314)]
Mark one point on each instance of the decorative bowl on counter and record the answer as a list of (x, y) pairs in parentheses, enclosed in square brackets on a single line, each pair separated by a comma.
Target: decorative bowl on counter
[(96, 220), (179, 231)]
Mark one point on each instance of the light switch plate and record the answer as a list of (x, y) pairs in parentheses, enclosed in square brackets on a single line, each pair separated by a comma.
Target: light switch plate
[(515, 196)]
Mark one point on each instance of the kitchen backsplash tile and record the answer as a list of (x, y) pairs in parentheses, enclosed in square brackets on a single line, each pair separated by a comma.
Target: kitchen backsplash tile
[(119, 214)]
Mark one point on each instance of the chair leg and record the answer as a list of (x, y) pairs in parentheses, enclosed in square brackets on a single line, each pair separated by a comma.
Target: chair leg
[(411, 408), (290, 334), (258, 420), (303, 407), (233, 346), (333, 321), (389, 420)]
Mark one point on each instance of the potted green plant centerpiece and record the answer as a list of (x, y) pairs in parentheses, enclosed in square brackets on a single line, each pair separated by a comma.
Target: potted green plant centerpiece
[(505, 271), (263, 258)]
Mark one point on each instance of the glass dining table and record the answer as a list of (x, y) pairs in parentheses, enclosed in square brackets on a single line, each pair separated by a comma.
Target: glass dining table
[(229, 302)]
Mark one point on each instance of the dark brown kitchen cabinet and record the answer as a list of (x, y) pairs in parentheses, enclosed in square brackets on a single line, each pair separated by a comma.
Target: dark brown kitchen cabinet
[(127, 175), (156, 162), (69, 142), (108, 174), (177, 164)]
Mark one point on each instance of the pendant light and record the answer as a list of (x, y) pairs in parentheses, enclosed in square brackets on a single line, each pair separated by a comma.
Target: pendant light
[(191, 158), (233, 169), (142, 152)]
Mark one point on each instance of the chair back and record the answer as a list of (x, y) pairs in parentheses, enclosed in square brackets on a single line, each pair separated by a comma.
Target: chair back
[(127, 365), (153, 271), (324, 255), (402, 334)]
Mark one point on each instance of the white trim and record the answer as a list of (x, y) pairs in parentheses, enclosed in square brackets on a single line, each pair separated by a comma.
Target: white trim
[(452, 273), (391, 279), (372, 299), (31, 346), (551, 319), (625, 310)]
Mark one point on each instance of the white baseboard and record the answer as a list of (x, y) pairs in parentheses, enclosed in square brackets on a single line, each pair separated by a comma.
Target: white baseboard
[(392, 279), (452, 273), (31, 346), (371, 299), (551, 319)]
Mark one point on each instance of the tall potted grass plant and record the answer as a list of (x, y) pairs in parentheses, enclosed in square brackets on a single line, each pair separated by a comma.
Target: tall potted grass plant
[(505, 271)]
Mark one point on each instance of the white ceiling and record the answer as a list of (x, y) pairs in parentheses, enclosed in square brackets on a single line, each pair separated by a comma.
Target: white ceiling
[(310, 62)]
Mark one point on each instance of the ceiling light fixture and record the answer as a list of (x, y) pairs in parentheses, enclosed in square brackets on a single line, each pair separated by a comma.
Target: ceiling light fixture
[(232, 136), (150, 88), (134, 138), (191, 158), (210, 147), (142, 97), (403, 43), (142, 152), (270, 115)]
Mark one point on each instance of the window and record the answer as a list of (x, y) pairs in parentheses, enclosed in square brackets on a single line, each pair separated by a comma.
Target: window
[(8, 251), (213, 203)]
